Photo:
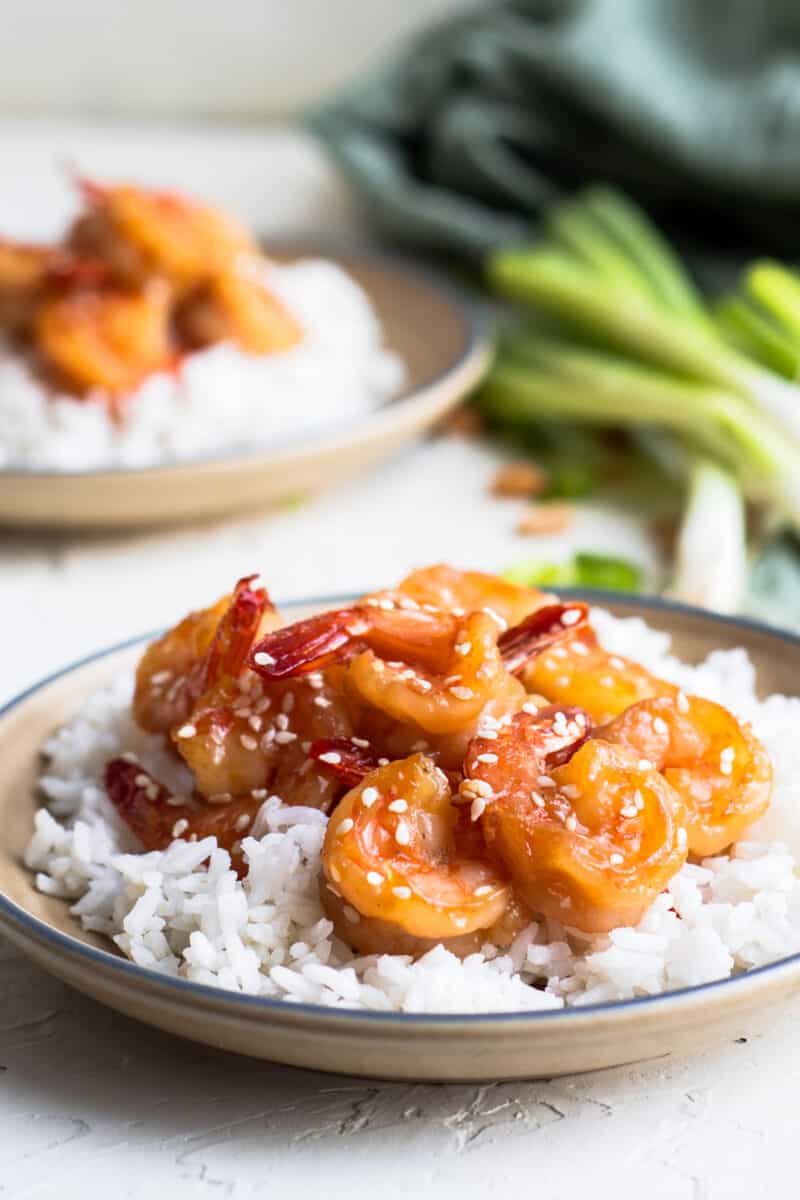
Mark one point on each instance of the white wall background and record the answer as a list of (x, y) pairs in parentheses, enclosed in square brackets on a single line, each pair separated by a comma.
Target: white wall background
[(239, 58)]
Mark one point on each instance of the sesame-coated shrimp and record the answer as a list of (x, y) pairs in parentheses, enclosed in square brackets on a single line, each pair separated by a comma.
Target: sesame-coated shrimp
[(400, 856), (719, 769), (158, 817), (442, 586), (589, 832), (578, 670), (196, 654), (237, 306)]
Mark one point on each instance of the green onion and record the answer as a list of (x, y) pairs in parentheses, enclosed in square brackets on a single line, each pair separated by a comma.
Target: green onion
[(584, 570), (711, 555)]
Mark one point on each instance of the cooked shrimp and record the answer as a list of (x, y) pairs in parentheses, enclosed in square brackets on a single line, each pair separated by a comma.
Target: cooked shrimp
[(578, 670), (589, 832), (176, 669), (442, 586), (431, 670), (107, 338), (395, 858), (158, 817), (142, 233), (719, 769), (237, 306), (23, 272)]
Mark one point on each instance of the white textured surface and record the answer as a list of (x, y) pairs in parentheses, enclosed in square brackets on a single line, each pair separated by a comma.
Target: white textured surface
[(94, 1105)]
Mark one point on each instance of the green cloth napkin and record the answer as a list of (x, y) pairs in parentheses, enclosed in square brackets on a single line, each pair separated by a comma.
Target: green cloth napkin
[(693, 106)]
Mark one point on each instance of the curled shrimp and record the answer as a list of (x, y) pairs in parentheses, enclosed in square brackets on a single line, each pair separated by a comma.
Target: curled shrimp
[(442, 586), (108, 338), (176, 669), (140, 233), (157, 817), (23, 275), (401, 871), (432, 670), (578, 670), (237, 306), (589, 833), (719, 769)]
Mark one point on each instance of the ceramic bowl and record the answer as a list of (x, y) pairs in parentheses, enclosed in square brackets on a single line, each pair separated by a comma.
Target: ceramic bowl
[(399, 1046), (441, 336)]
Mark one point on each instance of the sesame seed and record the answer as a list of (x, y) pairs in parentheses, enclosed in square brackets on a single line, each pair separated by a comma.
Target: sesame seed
[(402, 892), (130, 757), (616, 662), (483, 890), (683, 703), (498, 620), (537, 799), (487, 758), (268, 738), (489, 735), (346, 825), (180, 827), (259, 793), (459, 922), (683, 837), (477, 808), (247, 742), (288, 702), (369, 794), (571, 616), (331, 757), (374, 878), (141, 781), (628, 810), (402, 834), (351, 914), (644, 764), (463, 647), (616, 860), (322, 702), (360, 742), (726, 767), (305, 747), (220, 798), (546, 782), (728, 753), (571, 823), (161, 677), (559, 652), (386, 605), (579, 648), (242, 823), (563, 681), (336, 874), (571, 791), (407, 603), (606, 681), (255, 723), (263, 704), (530, 707), (262, 659), (458, 612), (383, 762), (638, 800), (660, 725), (177, 801), (398, 806), (285, 736), (480, 787), (282, 721)]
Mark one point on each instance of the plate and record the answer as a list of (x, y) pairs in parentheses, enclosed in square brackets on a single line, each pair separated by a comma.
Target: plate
[(443, 339), (394, 1045)]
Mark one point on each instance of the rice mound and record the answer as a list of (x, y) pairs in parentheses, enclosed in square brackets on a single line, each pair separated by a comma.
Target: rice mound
[(268, 935), (340, 371)]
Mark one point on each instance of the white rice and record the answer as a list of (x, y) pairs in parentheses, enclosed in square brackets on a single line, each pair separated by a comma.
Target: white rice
[(222, 400), (268, 935)]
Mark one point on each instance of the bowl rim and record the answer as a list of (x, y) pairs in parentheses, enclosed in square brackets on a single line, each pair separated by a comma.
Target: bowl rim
[(478, 345), (27, 926)]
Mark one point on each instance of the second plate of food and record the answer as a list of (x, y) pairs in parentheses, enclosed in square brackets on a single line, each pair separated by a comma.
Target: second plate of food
[(468, 883), (156, 366)]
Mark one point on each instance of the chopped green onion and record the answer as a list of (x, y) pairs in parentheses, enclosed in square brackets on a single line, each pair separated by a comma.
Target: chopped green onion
[(585, 570)]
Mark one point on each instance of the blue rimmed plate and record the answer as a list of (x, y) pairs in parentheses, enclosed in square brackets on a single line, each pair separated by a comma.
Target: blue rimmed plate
[(445, 1048)]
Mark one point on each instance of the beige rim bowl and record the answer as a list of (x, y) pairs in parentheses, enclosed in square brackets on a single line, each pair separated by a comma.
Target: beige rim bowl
[(439, 335), (387, 1046)]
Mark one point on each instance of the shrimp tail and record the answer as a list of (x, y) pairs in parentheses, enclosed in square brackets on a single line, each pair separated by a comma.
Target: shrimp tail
[(234, 636), (349, 762), (143, 803), (556, 731), (538, 630), (308, 646)]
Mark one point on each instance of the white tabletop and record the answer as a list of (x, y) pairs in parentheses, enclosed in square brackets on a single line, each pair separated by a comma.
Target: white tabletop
[(92, 1104)]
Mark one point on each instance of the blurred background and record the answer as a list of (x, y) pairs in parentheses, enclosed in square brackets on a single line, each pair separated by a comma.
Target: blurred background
[(619, 183)]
